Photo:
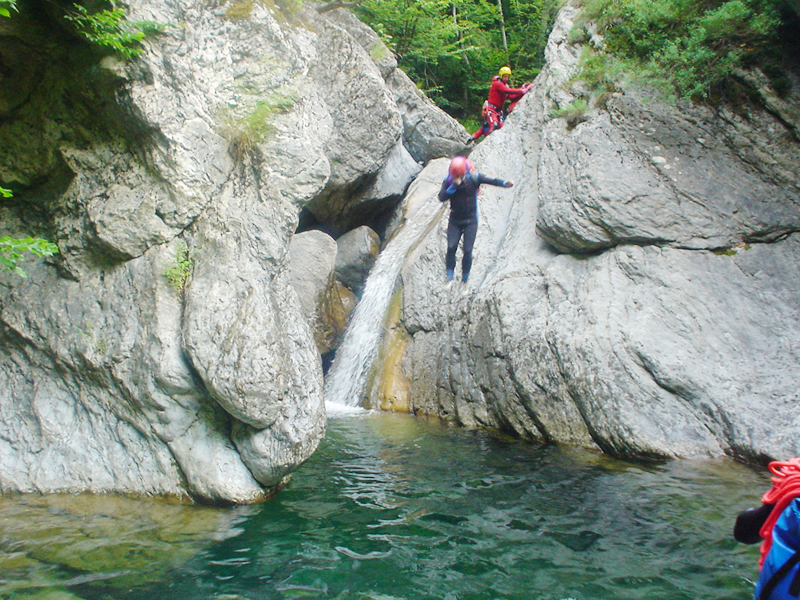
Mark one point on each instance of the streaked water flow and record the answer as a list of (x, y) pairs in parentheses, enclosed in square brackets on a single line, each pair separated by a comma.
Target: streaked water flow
[(393, 507), (345, 380)]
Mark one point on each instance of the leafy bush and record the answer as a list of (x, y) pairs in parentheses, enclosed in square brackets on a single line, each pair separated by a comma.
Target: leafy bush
[(109, 29), (687, 48), (178, 273), (6, 6), (13, 250)]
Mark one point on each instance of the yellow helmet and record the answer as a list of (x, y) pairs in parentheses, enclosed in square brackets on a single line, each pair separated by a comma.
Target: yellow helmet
[(504, 71)]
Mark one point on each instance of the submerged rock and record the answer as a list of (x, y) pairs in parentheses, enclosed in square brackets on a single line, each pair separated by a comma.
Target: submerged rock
[(121, 542)]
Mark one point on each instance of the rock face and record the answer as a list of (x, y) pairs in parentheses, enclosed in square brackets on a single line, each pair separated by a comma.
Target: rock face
[(636, 291), (199, 153)]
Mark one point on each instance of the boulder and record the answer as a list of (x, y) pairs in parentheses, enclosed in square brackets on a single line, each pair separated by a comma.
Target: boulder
[(428, 132), (358, 249), (326, 303), (312, 256)]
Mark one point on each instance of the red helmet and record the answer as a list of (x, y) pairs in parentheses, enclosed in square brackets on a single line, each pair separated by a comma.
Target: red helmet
[(459, 166)]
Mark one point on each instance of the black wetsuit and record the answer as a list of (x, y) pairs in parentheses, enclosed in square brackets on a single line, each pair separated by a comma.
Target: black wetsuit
[(463, 217)]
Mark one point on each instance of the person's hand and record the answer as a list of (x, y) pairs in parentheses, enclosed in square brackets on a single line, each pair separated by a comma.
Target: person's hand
[(509, 183)]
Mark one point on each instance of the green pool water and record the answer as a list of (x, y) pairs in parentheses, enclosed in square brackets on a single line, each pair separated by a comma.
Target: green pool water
[(396, 507)]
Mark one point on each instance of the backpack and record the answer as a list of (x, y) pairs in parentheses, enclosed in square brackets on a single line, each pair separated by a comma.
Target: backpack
[(780, 573)]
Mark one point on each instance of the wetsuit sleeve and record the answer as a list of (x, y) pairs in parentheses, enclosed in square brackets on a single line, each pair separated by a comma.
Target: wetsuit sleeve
[(749, 522), (491, 180), (509, 91), (444, 192)]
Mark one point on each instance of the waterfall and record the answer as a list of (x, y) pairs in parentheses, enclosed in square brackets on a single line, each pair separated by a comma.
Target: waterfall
[(345, 381)]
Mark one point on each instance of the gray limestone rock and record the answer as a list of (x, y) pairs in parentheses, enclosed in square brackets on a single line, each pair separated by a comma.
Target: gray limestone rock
[(371, 42), (428, 132), (378, 198), (193, 159), (635, 291), (326, 303), (357, 251), (312, 256)]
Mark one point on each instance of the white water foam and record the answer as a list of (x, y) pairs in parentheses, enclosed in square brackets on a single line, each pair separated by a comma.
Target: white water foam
[(334, 409)]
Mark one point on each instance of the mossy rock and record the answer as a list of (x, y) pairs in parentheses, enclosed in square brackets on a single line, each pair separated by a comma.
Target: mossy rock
[(138, 540)]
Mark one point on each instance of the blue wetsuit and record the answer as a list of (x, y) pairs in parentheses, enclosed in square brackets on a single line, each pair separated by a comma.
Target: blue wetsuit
[(780, 575), (463, 217)]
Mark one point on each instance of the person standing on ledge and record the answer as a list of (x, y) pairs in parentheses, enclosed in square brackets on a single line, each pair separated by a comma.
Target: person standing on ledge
[(461, 187), (499, 92)]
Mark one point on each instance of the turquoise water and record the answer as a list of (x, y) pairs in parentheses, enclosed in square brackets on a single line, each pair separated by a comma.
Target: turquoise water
[(396, 507)]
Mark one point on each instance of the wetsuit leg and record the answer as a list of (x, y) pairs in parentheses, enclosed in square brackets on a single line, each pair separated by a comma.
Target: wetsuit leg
[(454, 232), (481, 131), (470, 232)]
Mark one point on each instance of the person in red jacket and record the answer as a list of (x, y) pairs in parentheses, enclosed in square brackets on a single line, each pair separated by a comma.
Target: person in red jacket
[(499, 92)]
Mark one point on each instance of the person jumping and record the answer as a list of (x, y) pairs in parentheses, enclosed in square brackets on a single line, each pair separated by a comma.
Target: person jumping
[(461, 187)]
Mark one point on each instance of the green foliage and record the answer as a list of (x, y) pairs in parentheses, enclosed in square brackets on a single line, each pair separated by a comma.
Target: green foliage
[(686, 48), (453, 48), (12, 251), (290, 7), (471, 122), (247, 131), (6, 6), (573, 113), (734, 250), (109, 30), (178, 273), (239, 11)]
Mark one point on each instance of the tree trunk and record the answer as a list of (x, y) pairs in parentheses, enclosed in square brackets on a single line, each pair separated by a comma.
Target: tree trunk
[(502, 25), (460, 40)]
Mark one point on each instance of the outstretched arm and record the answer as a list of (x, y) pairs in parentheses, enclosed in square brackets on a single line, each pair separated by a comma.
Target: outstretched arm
[(505, 183), (511, 92)]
